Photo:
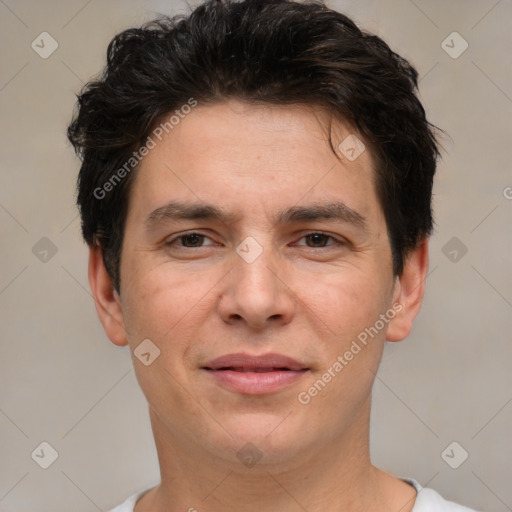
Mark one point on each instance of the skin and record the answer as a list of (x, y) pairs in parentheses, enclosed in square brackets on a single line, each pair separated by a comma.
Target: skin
[(308, 299)]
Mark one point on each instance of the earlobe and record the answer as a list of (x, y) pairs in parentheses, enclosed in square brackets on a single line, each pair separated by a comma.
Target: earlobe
[(409, 291), (107, 301)]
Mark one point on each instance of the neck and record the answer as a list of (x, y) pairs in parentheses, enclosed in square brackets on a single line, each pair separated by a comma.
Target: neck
[(329, 478)]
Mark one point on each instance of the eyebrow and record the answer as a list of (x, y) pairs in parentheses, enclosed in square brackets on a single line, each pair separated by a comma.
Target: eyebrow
[(336, 211)]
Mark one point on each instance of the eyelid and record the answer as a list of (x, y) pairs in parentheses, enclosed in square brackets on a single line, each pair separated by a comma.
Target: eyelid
[(186, 233), (337, 240)]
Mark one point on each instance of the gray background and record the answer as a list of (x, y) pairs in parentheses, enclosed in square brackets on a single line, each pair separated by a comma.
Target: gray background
[(63, 382)]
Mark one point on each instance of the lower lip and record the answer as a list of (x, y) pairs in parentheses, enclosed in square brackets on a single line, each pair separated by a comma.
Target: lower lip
[(256, 383)]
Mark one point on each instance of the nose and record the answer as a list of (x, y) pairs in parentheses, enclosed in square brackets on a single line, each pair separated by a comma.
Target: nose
[(256, 292)]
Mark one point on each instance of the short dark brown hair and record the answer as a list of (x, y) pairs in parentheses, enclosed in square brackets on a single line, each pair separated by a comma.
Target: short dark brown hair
[(271, 51)]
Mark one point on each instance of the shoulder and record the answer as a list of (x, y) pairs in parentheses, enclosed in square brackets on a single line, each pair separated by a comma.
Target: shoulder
[(428, 500), (129, 504)]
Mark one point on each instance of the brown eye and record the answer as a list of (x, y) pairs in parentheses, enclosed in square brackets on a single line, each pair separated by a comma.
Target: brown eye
[(188, 240), (319, 240), (192, 238)]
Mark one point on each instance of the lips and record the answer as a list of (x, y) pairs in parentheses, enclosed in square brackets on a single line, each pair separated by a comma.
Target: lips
[(255, 375), (259, 364)]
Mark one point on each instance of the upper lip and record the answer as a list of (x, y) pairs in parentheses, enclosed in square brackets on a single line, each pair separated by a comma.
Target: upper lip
[(243, 361)]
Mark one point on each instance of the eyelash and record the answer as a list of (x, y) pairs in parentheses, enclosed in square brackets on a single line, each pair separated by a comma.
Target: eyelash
[(170, 243)]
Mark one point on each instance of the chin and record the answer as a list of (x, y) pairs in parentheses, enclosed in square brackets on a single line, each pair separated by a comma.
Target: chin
[(259, 441)]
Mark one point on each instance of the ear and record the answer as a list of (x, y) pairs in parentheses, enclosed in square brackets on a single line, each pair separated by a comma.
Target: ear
[(106, 299), (409, 291)]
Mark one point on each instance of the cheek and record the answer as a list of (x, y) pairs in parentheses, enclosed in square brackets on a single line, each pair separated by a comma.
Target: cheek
[(346, 301), (159, 301)]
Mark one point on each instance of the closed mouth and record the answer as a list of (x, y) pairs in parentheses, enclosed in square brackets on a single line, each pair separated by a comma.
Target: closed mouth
[(261, 363), (252, 369)]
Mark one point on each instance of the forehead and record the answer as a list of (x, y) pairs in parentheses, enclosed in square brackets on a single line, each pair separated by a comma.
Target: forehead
[(243, 126), (253, 153)]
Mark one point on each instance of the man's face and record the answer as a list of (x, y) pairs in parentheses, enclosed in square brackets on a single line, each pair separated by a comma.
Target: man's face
[(283, 290)]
